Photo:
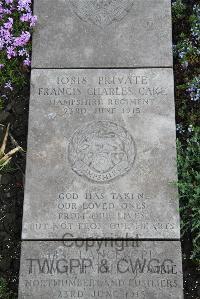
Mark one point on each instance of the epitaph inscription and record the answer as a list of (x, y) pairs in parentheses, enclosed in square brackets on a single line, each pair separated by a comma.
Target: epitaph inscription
[(101, 270), (101, 151), (101, 12), (101, 155)]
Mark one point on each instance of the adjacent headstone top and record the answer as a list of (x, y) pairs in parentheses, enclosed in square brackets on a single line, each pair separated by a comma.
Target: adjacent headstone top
[(106, 270), (102, 33), (101, 155)]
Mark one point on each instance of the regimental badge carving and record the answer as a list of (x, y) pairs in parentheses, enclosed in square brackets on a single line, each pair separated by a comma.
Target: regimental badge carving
[(101, 151), (101, 12)]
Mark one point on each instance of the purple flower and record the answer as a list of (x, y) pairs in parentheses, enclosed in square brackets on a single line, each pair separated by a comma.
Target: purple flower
[(5, 36), (33, 21), (24, 5), (27, 61), (9, 1), (8, 85), (1, 43), (28, 17), (22, 40), (12, 41), (7, 11), (8, 25), (22, 52), (11, 52)]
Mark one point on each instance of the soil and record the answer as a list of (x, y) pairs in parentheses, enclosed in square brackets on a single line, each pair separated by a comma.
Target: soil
[(12, 190)]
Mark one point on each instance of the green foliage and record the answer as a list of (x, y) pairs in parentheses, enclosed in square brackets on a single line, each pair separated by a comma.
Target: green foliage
[(178, 9), (1, 104), (4, 291), (189, 188), (186, 37), (187, 51), (7, 168), (13, 71)]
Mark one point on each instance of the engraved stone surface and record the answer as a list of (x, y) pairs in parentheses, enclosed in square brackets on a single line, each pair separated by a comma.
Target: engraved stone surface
[(101, 12), (102, 33), (101, 158), (101, 151), (101, 269)]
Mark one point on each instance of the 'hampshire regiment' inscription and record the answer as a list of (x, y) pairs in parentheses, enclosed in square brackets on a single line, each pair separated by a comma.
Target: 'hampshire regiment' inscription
[(101, 151), (101, 155), (101, 12)]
